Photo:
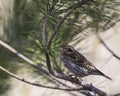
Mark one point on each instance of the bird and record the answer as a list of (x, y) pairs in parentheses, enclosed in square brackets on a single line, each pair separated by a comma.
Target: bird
[(77, 63)]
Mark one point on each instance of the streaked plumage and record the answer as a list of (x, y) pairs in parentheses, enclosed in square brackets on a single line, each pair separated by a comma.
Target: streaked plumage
[(76, 63)]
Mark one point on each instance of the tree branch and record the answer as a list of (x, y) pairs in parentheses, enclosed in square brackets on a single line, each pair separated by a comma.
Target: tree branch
[(115, 55), (36, 84), (44, 41), (28, 61)]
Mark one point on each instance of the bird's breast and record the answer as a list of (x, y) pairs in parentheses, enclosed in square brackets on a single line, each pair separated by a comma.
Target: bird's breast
[(74, 68)]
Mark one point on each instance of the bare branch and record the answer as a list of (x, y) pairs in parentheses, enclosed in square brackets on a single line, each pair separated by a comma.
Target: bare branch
[(28, 61), (115, 55), (36, 84), (45, 22)]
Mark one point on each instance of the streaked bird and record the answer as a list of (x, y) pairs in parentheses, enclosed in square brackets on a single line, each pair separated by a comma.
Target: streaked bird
[(76, 63)]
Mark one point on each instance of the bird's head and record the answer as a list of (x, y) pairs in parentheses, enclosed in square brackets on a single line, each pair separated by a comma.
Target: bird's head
[(67, 49)]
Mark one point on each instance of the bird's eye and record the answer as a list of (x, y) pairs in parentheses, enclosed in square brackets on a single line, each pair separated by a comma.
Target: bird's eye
[(68, 49), (65, 48)]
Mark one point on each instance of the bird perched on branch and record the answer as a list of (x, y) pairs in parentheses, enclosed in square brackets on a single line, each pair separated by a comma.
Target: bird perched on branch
[(76, 63)]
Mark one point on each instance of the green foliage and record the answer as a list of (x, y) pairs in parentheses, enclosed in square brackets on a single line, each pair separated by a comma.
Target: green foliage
[(3, 87), (6, 63)]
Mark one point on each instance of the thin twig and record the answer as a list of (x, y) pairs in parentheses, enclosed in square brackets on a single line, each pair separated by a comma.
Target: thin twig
[(44, 41), (115, 55), (36, 84)]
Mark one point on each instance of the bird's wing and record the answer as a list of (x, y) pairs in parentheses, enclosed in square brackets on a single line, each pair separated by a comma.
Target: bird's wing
[(77, 58), (81, 60), (88, 65)]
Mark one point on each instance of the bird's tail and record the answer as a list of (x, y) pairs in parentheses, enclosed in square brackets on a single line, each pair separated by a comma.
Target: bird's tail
[(102, 74)]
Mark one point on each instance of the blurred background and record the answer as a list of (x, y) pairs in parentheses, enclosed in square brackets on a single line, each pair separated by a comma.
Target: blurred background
[(21, 24)]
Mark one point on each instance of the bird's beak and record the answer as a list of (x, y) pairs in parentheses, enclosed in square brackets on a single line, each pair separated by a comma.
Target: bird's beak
[(60, 49)]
